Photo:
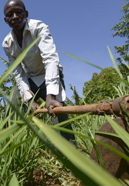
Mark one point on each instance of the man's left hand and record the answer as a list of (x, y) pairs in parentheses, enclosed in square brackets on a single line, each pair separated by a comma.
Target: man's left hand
[(34, 106), (51, 103)]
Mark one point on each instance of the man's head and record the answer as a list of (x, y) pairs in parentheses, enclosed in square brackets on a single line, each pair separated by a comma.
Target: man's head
[(15, 14)]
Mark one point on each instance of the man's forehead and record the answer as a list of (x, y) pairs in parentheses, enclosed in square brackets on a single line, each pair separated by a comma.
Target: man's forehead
[(11, 3)]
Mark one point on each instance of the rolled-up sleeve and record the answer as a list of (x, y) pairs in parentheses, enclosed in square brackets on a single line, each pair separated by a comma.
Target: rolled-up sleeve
[(19, 75), (50, 60)]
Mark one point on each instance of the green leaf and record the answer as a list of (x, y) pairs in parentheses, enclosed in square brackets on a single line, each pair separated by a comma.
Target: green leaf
[(17, 61), (124, 156), (70, 120), (7, 132), (114, 63), (119, 130), (125, 63), (13, 137), (83, 61), (5, 120), (94, 175), (16, 146), (107, 134), (14, 181)]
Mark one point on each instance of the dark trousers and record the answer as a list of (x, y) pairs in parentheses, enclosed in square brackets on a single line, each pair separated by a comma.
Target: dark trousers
[(42, 94)]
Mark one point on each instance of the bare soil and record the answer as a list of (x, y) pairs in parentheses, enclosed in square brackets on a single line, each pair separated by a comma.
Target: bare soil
[(42, 179)]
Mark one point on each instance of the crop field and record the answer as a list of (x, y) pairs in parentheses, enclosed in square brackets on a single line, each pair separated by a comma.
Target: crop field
[(33, 153)]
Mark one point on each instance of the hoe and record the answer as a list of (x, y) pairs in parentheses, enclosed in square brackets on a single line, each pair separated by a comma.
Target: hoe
[(113, 163)]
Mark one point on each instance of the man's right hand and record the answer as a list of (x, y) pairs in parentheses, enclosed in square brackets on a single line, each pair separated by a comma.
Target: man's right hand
[(34, 106)]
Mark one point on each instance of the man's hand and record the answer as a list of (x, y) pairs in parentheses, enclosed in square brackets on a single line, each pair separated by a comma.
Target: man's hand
[(51, 103), (34, 106)]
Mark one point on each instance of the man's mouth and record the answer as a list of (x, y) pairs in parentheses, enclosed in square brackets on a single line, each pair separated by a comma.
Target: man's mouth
[(16, 23)]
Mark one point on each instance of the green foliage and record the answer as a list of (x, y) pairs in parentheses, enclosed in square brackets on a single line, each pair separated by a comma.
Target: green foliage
[(82, 167), (14, 181), (100, 87), (28, 136), (22, 144), (9, 80), (122, 30), (83, 61)]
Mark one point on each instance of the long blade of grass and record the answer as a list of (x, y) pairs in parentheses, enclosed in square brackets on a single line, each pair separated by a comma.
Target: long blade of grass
[(5, 120), (7, 132), (70, 120), (13, 137), (14, 181), (114, 63), (29, 107), (17, 61), (62, 129), (88, 176), (17, 145), (107, 134), (96, 175), (10, 98), (32, 126), (83, 61), (99, 142), (119, 130), (125, 63)]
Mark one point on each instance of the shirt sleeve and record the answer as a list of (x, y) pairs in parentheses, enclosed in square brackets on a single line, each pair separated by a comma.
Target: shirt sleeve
[(50, 60), (20, 76)]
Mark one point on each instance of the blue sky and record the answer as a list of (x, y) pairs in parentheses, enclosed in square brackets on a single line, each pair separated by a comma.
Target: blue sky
[(80, 27)]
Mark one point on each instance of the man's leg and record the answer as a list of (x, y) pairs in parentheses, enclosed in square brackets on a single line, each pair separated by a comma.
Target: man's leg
[(64, 117)]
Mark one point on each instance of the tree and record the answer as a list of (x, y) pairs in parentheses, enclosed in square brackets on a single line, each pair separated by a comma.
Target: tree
[(122, 30), (100, 86)]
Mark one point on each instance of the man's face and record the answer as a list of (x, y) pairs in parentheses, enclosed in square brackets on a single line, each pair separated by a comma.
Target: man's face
[(15, 15)]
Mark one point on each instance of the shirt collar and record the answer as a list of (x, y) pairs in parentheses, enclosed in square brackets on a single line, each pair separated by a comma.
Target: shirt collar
[(26, 28), (26, 25)]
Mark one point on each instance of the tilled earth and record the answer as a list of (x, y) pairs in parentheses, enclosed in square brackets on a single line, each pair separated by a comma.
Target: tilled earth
[(42, 179)]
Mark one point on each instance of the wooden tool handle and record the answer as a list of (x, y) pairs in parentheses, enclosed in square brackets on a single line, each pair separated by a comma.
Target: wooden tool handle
[(108, 108)]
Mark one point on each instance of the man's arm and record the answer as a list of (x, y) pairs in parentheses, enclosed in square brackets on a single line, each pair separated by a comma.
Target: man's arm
[(50, 60), (20, 76)]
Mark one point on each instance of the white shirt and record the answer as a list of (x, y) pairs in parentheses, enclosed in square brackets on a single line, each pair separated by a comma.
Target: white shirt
[(41, 62)]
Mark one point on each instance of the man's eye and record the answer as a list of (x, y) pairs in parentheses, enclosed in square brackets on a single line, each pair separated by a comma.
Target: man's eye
[(18, 13), (9, 15)]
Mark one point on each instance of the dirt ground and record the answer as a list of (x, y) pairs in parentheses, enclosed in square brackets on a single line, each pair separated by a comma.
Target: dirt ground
[(42, 179)]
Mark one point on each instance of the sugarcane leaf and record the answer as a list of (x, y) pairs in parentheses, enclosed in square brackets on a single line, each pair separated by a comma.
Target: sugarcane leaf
[(17, 145), (14, 181), (83, 61), (124, 156), (119, 130), (114, 63), (95, 175), (7, 132), (17, 61)]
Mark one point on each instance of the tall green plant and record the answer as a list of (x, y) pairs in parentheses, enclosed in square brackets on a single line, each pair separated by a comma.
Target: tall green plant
[(123, 89), (82, 166)]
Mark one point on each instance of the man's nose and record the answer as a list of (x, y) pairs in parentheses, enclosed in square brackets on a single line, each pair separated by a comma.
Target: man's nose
[(14, 15)]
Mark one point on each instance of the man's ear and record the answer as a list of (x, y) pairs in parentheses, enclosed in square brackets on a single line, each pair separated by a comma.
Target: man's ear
[(26, 12), (5, 19)]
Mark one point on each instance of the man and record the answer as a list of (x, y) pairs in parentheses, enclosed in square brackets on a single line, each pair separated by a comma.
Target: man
[(42, 69)]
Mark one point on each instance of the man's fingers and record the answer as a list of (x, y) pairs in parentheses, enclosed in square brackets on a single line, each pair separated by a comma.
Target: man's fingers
[(34, 106), (50, 111), (58, 104), (50, 104)]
